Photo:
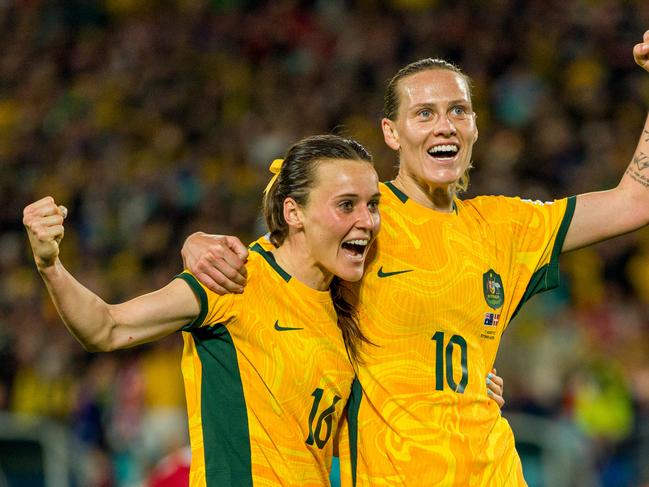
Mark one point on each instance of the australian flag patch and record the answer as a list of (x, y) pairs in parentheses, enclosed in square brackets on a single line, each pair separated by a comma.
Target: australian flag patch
[(491, 319)]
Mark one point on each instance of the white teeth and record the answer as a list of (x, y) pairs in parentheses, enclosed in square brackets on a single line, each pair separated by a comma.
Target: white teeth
[(443, 148), (357, 242)]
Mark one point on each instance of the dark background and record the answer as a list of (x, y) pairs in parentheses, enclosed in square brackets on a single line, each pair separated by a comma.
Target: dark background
[(152, 119)]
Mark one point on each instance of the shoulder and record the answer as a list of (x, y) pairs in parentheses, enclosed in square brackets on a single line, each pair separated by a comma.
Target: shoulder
[(515, 215), (508, 203)]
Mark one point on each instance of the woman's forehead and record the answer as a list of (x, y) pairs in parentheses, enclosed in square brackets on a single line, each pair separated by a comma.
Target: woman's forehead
[(334, 175), (433, 86)]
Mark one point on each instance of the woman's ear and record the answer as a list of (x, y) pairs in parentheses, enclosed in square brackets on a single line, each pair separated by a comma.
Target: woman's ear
[(475, 139), (292, 213), (390, 134)]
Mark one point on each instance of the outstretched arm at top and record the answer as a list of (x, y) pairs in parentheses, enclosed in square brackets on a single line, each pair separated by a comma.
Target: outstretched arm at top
[(99, 326), (607, 214)]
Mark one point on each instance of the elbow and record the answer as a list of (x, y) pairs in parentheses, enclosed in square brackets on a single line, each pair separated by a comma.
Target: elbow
[(636, 199), (96, 345), (104, 338), (91, 348)]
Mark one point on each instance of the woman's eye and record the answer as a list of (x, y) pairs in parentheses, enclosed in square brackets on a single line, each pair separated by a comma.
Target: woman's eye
[(346, 205), (458, 111), (425, 113), (373, 206)]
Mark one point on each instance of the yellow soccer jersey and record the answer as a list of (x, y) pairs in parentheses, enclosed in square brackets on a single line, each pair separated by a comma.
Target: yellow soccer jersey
[(266, 377), (435, 300)]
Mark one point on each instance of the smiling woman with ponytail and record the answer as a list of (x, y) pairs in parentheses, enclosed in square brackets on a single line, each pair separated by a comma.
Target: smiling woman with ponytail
[(294, 177), (267, 372)]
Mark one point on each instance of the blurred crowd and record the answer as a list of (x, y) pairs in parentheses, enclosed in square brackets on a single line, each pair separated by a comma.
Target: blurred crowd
[(152, 119)]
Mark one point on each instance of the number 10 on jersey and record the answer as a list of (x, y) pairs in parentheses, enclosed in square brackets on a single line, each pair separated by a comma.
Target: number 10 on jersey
[(444, 362)]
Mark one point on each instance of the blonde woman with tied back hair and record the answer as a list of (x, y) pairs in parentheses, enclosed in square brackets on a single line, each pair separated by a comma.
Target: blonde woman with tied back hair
[(447, 277), (267, 372)]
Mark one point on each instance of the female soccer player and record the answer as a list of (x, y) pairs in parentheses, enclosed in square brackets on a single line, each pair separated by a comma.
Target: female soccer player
[(267, 372), (447, 277)]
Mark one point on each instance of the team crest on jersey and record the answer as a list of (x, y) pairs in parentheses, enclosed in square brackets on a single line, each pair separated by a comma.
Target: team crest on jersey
[(492, 286)]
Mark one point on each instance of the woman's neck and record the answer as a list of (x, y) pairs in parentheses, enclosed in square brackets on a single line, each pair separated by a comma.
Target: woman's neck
[(293, 257), (436, 197)]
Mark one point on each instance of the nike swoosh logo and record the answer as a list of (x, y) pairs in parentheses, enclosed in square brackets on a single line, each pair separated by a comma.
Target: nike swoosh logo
[(381, 273), (285, 328)]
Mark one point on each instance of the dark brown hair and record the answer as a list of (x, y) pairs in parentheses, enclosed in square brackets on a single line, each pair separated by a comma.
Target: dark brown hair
[(295, 180)]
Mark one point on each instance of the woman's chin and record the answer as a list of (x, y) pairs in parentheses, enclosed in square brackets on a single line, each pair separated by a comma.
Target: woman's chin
[(351, 273)]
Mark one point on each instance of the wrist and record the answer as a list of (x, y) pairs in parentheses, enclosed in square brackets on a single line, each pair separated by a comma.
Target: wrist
[(47, 268)]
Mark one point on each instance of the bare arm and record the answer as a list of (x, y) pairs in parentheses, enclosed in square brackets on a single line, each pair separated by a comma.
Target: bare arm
[(218, 261), (97, 325), (607, 214)]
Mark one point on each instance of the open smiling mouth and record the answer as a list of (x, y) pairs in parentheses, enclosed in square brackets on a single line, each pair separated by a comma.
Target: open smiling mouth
[(444, 151), (355, 248)]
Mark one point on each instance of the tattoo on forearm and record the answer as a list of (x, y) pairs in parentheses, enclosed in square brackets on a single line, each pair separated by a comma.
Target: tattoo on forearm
[(646, 135), (637, 177), (642, 161)]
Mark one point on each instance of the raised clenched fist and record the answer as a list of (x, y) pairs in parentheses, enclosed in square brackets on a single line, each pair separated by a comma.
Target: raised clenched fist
[(43, 221)]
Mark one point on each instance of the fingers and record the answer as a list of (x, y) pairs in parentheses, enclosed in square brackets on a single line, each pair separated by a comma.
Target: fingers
[(48, 233), (223, 266), (235, 255), (47, 201), (44, 214), (45, 207), (214, 286), (241, 251), (641, 52), (217, 261), (497, 399), (218, 275), (495, 388), (43, 221), (497, 381)]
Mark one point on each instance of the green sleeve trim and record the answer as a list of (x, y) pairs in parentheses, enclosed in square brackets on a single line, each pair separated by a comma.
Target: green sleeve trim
[(563, 229), (542, 280), (548, 276), (202, 297), (271, 260), (397, 192)]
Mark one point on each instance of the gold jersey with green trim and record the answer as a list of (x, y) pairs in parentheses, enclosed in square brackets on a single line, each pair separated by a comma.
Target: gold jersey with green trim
[(435, 299), (267, 377)]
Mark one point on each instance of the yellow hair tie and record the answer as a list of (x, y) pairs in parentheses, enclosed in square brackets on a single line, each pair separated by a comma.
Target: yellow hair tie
[(275, 168)]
